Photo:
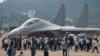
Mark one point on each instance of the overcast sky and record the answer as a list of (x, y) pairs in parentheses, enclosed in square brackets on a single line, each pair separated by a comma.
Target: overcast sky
[(1, 1)]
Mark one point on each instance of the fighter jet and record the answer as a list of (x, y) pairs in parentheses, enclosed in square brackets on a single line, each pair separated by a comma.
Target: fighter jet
[(58, 27), (44, 25)]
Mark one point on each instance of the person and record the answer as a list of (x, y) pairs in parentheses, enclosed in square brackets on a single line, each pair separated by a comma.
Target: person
[(29, 42), (90, 39), (9, 52), (6, 43), (25, 44), (55, 45), (81, 43), (88, 44), (71, 43), (33, 52), (20, 43), (37, 43), (21, 53), (64, 47), (14, 43), (76, 45), (46, 53), (84, 44), (59, 44), (3, 43), (13, 53), (51, 44), (33, 40), (95, 46)]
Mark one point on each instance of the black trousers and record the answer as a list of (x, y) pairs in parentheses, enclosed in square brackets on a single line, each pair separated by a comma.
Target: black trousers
[(32, 54), (88, 47), (20, 46), (64, 52), (25, 46), (46, 53), (95, 48), (76, 48), (5, 46), (38, 46), (81, 46), (29, 45)]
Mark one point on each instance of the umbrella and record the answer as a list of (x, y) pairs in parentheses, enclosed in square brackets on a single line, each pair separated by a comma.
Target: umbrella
[(81, 35), (71, 35)]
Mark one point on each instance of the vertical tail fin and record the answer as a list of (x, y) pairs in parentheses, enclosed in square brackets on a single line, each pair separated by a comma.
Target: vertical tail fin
[(83, 19), (60, 18)]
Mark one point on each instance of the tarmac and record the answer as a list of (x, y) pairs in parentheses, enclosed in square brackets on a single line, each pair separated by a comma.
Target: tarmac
[(51, 53)]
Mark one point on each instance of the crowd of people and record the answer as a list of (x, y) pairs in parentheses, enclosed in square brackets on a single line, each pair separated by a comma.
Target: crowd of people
[(86, 44), (45, 43)]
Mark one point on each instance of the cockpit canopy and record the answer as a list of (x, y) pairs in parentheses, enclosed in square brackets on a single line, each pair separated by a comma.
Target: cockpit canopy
[(30, 22)]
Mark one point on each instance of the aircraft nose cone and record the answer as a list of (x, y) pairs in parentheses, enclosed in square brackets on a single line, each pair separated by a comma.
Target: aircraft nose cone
[(14, 32)]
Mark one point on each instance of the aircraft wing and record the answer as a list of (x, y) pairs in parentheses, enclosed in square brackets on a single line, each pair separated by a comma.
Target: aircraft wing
[(79, 29)]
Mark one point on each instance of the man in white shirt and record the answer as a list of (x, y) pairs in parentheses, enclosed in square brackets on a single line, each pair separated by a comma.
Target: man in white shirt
[(25, 43), (37, 43), (29, 42), (6, 42), (81, 43), (95, 46)]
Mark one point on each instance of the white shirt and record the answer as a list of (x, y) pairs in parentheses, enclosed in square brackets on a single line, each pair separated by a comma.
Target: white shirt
[(6, 41), (87, 41), (81, 41), (95, 43), (46, 40), (29, 40), (24, 41), (38, 41), (76, 43)]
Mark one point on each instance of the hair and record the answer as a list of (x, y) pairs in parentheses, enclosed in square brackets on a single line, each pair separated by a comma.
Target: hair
[(21, 52)]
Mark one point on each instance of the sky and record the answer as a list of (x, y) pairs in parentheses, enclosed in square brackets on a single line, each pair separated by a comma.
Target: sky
[(1, 1)]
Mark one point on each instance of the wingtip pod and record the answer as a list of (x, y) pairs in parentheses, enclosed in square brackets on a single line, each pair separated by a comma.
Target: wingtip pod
[(60, 17), (83, 19)]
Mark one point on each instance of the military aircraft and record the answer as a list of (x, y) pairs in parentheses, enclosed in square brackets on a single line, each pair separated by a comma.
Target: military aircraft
[(58, 27)]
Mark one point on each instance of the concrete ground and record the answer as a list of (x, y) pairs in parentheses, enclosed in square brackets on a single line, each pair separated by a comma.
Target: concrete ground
[(56, 53)]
